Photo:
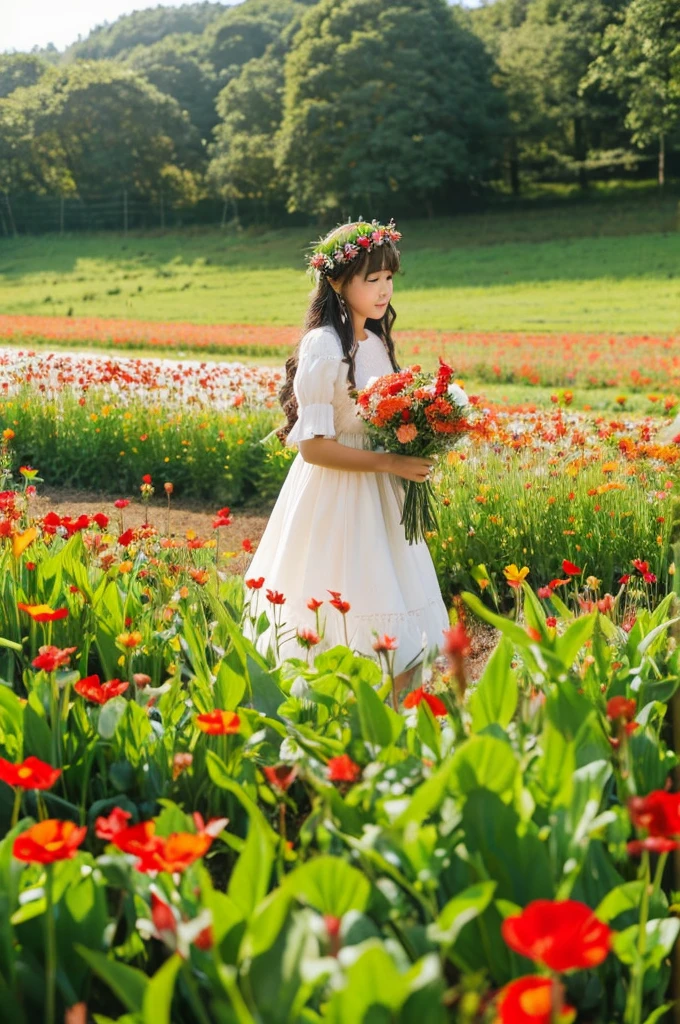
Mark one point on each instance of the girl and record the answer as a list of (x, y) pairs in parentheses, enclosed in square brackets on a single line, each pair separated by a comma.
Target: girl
[(334, 534)]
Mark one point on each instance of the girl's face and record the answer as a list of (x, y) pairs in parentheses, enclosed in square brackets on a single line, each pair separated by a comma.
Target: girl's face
[(368, 296)]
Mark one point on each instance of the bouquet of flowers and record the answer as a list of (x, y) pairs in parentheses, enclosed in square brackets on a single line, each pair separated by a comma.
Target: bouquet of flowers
[(415, 413)]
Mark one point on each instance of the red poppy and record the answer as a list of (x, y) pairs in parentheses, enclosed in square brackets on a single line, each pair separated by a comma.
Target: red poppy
[(49, 841), (218, 723), (30, 774), (101, 520), (343, 769), (658, 813), (307, 637), (558, 583), (255, 584), (437, 707), (43, 612), (155, 853), (564, 935), (275, 597), (107, 828), (51, 658), (342, 606), (146, 479), (335, 594), (126, 538), (313, 604), (570, 568), (247, 545), (280, 776), (530, 1000), (99, 693), (121, 502)]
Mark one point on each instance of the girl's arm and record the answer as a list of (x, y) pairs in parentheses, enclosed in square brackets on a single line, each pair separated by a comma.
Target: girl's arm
[(326, 452)]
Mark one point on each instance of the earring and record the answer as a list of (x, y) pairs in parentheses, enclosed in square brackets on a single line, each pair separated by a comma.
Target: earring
[(343, 307)]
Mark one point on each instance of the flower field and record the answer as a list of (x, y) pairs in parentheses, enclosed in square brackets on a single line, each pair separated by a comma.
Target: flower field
[(191, 833)]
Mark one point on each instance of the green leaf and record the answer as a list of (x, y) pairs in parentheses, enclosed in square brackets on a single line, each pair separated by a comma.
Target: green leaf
[(249, 880), (330, 885), (110, 716), (660, 938), (266, 924), (494, 699), (230, 686), (619, 900), (572, 640), (158, 995), (127, 983), (556, 766), (484, 762), (463, 908), (506, 626), (379, 724)]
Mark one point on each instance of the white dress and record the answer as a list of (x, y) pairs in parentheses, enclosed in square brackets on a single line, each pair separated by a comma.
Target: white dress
[(334, 529)]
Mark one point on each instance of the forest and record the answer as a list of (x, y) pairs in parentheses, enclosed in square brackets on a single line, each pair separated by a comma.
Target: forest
[(291, 111)]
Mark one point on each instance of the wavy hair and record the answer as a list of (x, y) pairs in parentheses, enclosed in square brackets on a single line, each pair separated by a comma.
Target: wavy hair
[(324, 311)]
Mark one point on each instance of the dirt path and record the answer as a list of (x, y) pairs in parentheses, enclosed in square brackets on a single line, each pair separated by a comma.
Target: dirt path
[(189, 515)]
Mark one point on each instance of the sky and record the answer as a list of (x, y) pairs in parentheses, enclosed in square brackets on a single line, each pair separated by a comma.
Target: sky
[(28, 23)]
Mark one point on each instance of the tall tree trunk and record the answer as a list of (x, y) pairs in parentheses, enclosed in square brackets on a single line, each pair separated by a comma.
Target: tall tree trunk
[(580, 152), (662, 160)]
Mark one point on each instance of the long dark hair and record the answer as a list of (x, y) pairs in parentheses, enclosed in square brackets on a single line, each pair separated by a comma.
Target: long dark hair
[(324, 311)]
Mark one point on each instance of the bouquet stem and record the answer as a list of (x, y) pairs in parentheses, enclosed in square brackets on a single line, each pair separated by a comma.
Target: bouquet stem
[(419, 511)]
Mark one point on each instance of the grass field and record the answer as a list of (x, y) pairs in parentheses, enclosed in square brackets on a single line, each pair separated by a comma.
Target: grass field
[(610, 266)]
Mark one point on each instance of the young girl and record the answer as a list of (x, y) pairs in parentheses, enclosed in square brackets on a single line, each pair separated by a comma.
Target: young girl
[(334, 533)]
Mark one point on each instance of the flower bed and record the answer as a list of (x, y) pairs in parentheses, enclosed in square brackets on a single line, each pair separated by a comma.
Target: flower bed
[(193, 833)]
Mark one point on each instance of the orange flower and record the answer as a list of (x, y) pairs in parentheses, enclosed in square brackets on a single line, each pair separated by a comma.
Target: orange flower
[(200, 576), (407, 432), (218, 723), (129, 639), (30, 774), (43, 612), (49, 841), (20, 541)]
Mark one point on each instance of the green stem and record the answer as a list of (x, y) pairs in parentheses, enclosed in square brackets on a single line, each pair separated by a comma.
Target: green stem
[(194, 997), (633, 1013), (17, 806), (50, 948)]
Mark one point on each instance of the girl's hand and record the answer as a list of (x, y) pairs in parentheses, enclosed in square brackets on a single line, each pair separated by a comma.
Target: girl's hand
[(409, 467)]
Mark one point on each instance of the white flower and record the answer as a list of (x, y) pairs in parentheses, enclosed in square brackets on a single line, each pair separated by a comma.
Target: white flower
[(455, 392)]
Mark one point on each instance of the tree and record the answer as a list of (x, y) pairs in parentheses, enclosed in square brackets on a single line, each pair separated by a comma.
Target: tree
[(641, 61), (101, 128), (18, 70), (250, 108), (385, 98), (245, 31), (177, 67), (143, 28)]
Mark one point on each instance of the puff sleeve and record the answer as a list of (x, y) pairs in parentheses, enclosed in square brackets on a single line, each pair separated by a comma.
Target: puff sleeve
[(314, 385)]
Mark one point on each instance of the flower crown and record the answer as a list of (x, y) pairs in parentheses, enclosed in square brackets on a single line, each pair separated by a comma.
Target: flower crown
[(327, 255)]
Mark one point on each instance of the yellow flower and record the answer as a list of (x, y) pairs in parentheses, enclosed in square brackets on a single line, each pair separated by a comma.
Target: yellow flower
[(593, 582), (515, 576), (129, 639), (20, 541)]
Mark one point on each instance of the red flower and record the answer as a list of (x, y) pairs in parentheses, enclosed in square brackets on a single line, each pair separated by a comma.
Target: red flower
[(280, 776), (218, 723), (343, 769), (313, 604), (99, 693), (307, 638), (255, 584), (162, 915), (658, 813), (42, 612), (570, 568), (563, 935), (558, 583), (437, 707), (642, 567), (146, 479), (121, 502), (530, 1000), (126, 538), (51, 658), (49, 841), (247, 545), (655, 844), (621, 708), (342, 606), (30, 774), (117, 821), (385, 643), (456, 641), (551, 621), (275, 597), (101, 520)]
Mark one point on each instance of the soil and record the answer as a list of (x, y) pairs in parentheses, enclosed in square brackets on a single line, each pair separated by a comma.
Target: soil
[(247, 524)]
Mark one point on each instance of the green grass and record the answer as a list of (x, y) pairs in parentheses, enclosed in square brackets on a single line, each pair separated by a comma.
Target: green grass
[(603, 266)]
